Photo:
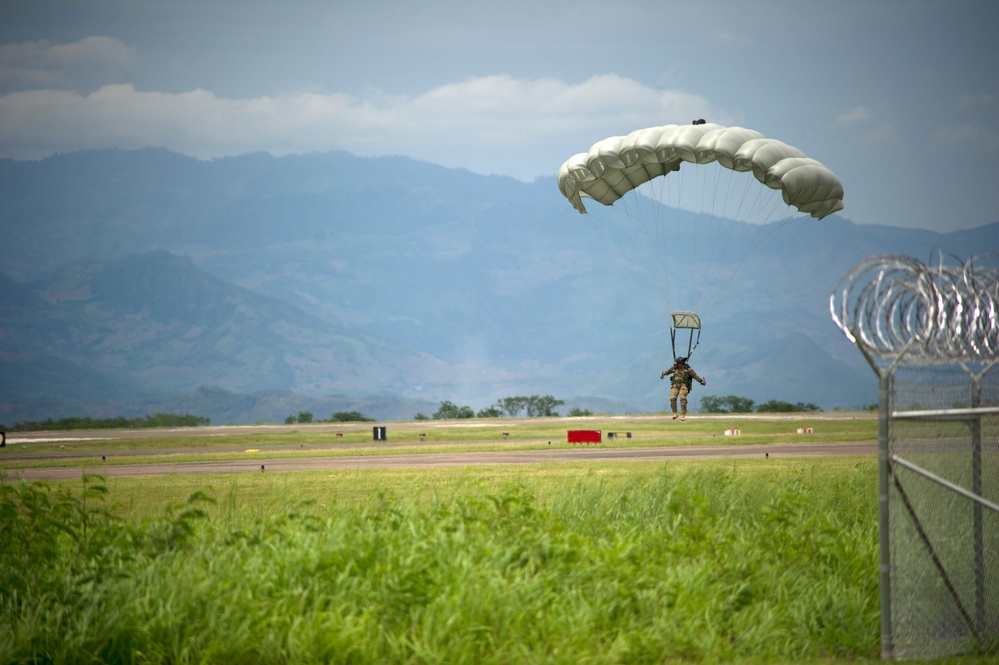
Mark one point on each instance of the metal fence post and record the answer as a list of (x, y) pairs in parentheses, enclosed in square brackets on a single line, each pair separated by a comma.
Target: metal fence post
[(884, 471)]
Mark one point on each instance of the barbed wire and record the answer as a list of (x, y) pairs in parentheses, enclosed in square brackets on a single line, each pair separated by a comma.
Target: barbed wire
[(946, 312)]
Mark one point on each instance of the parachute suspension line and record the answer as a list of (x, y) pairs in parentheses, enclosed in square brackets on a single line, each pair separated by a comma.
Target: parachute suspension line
[(766, 207), (705, 209), (625, 240), (674, 194), (737, 228), (657, 252), (662, 243), (800, 227), (705, 206), (639, 241), (737, 225), (691, 262), (639, 229), (672, 342), (702, 196), (613, 248), (769, 226), (682, 251), (646, 212), (717, 217), (626, 221), (738, 207), (714, 219), (734, 218)]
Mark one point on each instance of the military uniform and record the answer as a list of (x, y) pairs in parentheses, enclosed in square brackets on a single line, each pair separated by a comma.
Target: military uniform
[(682, 381)]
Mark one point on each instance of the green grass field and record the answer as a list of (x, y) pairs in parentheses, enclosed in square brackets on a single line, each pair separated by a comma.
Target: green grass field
[(734, 561)]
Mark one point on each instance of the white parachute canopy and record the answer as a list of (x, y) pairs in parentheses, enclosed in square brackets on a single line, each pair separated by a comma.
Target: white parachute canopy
[(616, 165), (693, 227)]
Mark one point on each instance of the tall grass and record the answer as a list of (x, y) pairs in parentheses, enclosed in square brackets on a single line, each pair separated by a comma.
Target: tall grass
[(719, 562)]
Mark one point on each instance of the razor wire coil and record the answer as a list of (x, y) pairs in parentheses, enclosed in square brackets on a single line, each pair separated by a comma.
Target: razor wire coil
[(945, 312)]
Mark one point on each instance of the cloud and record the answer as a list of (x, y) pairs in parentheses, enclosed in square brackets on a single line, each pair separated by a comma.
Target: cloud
[(881, 134), (874, 130), (736, 40), (494, 124), (981, 100), (858, 116), (83, 65), (969, 138)]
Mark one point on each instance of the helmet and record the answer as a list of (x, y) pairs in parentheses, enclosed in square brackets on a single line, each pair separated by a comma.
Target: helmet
[(680, 359)]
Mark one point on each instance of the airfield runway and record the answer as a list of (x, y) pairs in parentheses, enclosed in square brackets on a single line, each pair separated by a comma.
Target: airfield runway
[(92, 460)]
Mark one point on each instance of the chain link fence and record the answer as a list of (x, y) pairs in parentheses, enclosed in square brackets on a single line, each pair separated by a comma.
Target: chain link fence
[(931, 335)]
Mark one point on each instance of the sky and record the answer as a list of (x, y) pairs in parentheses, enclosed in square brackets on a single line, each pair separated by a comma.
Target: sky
[(899, 97)]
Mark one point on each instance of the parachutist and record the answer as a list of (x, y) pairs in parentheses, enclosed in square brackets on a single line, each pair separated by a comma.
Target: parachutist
[(682, 381)]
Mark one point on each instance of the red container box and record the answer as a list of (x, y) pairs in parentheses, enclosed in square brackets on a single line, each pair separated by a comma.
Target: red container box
[(584, 436)]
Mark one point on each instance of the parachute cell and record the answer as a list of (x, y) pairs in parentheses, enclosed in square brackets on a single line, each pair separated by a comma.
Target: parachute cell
[(617, 165)]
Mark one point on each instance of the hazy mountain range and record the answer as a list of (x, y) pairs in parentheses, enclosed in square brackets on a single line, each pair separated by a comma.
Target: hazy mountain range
[(245, 289)]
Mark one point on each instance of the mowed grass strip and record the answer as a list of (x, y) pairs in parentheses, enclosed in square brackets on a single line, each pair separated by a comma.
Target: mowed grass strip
[(207, 445), (141, 498)]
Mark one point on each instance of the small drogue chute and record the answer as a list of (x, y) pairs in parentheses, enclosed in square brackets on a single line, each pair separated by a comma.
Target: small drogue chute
[(690, 322)]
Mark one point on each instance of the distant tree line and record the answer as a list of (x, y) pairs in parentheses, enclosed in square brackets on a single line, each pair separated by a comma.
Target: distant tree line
[(121, 422), (337, 417), (736, 404), (534, 406)]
